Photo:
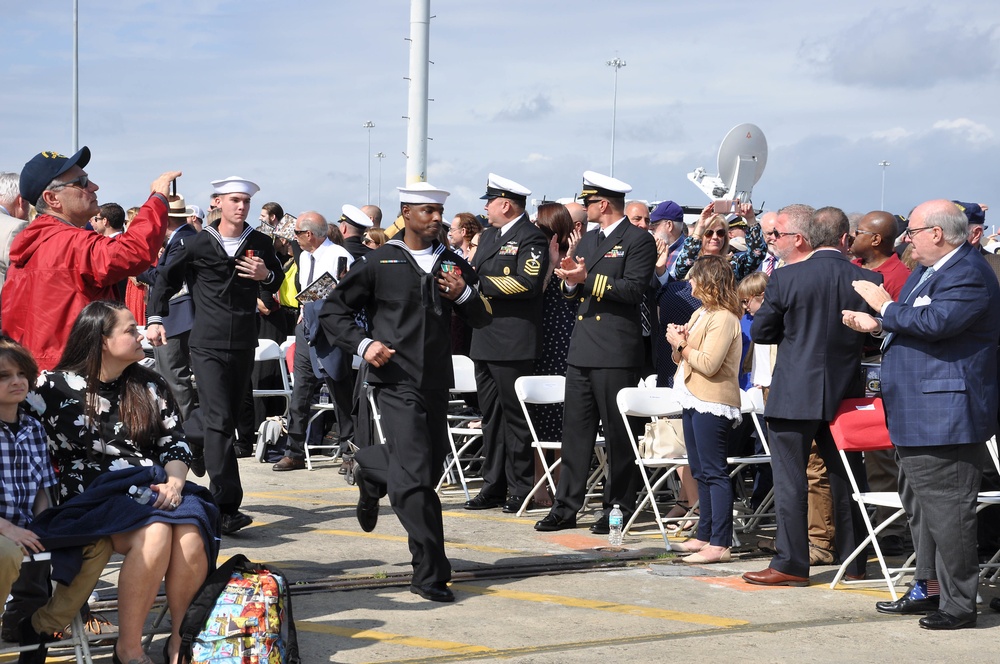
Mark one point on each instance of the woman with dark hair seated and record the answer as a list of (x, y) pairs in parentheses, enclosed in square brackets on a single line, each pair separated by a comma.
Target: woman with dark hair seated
[(112, 423)]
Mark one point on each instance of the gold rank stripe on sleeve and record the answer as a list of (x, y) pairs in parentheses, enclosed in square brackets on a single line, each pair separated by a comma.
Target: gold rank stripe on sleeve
[(508, 285), (601, 286)]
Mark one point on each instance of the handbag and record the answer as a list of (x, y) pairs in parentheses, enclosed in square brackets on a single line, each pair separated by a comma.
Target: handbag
[(663, 439)]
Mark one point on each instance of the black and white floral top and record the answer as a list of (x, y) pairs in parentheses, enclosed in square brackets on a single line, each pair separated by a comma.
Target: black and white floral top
[(82, 449)]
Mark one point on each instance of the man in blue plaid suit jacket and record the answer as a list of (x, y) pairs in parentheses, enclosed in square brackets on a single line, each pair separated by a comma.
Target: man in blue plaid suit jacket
[(939, 384)]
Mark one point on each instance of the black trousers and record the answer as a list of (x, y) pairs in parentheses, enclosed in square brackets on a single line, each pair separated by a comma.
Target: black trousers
[(223, 378), (591, 397), (416, 430), (509, 466), (791, 441), (173, 361), (306, 384)]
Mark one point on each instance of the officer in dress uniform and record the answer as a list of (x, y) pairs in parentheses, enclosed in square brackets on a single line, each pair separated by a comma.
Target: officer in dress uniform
[(409, 288), (609, 275), (511, 262), (224, 266), (353, 224)]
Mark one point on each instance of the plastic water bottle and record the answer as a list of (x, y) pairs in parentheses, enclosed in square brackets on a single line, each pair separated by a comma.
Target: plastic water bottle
[(324, 395), (615, 522), (142, 494)]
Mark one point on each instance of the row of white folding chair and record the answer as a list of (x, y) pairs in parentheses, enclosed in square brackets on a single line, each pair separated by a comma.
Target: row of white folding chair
[(752, 405), (551, 390)]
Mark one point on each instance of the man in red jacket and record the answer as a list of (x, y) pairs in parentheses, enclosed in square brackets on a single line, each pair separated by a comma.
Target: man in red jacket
[(57, 266)]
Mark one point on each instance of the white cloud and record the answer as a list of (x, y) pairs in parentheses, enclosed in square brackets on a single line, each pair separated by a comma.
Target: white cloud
[(973, 132), (535, 157)]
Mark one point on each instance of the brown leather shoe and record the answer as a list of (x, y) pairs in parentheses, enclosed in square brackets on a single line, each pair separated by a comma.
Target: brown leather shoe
[(288, 463), (772, 577)]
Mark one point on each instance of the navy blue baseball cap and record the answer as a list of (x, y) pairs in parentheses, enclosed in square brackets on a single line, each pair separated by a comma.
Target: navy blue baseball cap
[(666, 211), (45, 167), (974, 213)]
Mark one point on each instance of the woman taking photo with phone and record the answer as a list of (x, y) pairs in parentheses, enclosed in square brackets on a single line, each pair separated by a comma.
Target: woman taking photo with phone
[(707, 352), (711, 238)]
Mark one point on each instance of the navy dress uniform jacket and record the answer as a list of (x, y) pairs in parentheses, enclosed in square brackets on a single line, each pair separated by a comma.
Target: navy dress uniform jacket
[(181, 316), (226, 303), (608, 329), (391, 288), (511, 272)]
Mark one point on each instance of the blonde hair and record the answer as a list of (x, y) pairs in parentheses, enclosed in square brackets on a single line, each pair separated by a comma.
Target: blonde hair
[(752, 285), (711, 221)]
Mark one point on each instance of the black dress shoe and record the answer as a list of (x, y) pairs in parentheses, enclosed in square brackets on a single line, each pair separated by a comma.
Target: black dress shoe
[(602, 527), (995, 603), (367, 504), (893, 545), (288, 463), (551, 522), (482, 502), (907, 606), (243, 451), (435, 592), (235, 521), (942, 620), (513, 504)]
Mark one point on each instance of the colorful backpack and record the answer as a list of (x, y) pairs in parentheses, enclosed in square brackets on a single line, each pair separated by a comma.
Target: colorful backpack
[(241, 615)]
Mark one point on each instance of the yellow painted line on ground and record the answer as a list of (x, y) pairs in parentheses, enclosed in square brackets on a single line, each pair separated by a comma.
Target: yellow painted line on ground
[(485, 517), (601, 605), (398, 538), (395, 639)]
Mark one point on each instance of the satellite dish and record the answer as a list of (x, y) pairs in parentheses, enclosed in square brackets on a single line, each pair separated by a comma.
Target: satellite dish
[(742, 158)]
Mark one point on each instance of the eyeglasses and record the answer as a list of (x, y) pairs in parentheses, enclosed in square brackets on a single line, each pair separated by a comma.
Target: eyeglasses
[(298, 232), (590, 201), (910, 232), (861, 232), (776, 234), (716, 233), (81, 182)]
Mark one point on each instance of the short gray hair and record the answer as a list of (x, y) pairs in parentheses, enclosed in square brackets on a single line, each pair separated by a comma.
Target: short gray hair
[(314, 223), (799, 218), (954, 224), (9, 188)]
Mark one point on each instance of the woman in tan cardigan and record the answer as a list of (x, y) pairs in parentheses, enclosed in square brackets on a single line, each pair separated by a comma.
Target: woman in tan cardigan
[(707, 352)]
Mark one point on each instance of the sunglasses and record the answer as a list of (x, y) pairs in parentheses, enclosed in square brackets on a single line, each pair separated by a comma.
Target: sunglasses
[(777, 234), (720, 232), (590, 201), (298, 232), (81, 182)]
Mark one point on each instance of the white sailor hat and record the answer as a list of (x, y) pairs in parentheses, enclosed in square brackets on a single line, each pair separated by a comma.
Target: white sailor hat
[(498, 187), (422, 192), (595, 184), (355, 217), (234, 185)]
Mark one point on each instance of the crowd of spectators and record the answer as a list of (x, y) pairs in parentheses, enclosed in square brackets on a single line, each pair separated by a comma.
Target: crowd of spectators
[(604, 291)]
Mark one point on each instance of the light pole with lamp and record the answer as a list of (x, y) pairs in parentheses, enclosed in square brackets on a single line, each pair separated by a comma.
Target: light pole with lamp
[(369, 125), (617, 63), (883, 164), (380, 156)]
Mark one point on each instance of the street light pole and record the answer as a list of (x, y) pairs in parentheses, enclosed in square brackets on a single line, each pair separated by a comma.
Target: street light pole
[(883, 164), (369, 125), (76, 75), (380, 156), (617, 63)]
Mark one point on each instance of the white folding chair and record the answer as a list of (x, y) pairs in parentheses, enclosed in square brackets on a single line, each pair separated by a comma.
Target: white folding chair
[(269, 351), (865, 499), (551, 390), (461, 437), (746, 518), (651, 402)]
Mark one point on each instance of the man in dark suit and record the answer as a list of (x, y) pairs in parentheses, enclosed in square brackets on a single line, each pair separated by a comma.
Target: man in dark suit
[(939, 384), (817, 366), (173, 359), (512, 261), (609, 276)]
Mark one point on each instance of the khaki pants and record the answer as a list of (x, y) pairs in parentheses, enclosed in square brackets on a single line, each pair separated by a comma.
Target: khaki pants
[(820, 515), (66, 601)]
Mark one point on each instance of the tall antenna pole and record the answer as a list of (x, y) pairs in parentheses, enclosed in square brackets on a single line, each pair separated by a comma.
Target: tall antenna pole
[(76, 75), (883, 164), (416, 129)]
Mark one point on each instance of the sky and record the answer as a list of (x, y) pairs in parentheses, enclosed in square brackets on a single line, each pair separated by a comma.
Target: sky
[(277, 92)]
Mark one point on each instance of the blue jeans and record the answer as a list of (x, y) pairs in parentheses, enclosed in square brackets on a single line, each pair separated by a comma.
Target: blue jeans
[(707, 438)]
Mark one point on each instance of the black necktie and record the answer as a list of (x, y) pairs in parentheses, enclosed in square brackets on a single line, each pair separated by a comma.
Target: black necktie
[(312, 268), (600, 237)]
